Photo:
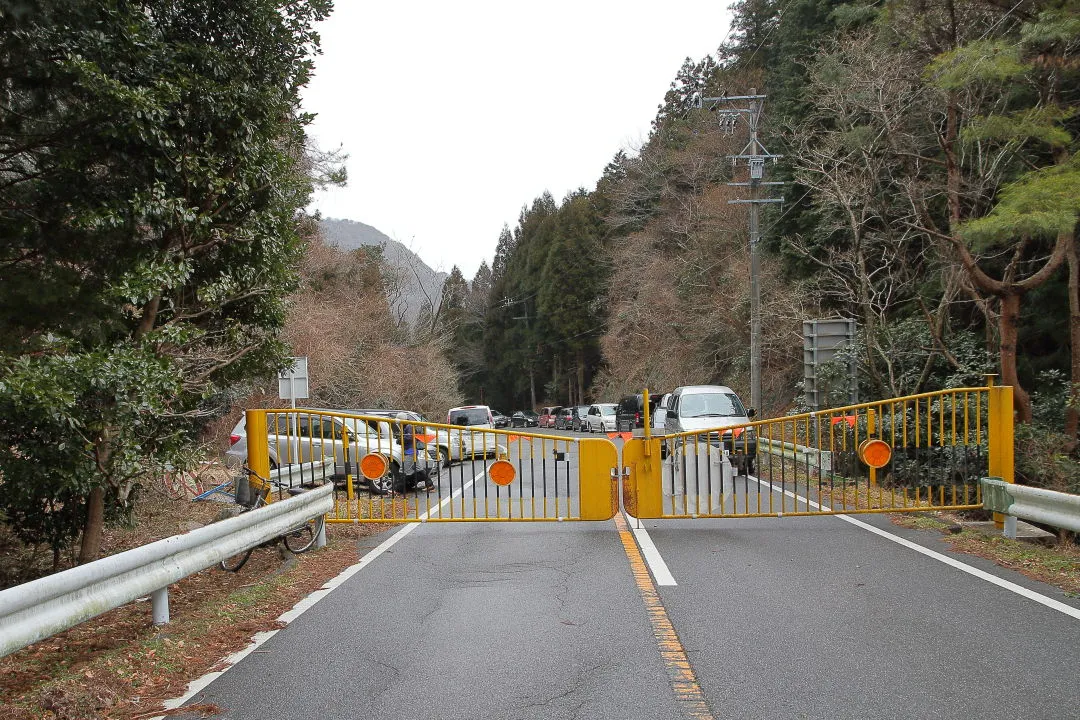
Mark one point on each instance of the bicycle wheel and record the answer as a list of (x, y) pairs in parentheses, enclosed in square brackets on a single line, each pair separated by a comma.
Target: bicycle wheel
[(233, 563), (302, 539)]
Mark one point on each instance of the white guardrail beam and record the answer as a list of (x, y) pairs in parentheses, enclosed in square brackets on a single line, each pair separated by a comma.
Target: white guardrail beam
[(820, 459), (1058, 509), (39, 609)]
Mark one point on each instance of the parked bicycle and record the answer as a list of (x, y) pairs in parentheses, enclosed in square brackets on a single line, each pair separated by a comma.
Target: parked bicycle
[(298, 540)]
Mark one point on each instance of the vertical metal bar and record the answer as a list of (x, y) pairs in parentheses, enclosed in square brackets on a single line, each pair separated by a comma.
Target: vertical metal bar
[(1000, 436), (520, 480), (783, 468), (543, 476)]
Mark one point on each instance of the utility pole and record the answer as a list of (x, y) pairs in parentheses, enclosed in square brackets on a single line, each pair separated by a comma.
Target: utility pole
[(755, 155), (506, 303)]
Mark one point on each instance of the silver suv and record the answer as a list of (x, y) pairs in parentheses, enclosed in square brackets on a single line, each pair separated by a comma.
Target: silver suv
[(309, 435)]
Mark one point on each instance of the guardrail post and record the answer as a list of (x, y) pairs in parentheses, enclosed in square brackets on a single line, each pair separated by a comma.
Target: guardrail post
[(1000, 435), (159, 599), (320, 538)]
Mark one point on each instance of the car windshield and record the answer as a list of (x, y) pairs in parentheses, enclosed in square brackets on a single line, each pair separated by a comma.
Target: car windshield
[(711, 405), (607, 409), (469, 416)]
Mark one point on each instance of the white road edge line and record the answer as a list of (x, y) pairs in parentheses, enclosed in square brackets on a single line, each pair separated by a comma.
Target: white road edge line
[(306, 603), (661, 574), (952, 562)]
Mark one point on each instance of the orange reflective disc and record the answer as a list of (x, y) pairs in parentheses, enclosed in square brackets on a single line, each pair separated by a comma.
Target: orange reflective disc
[(875, 453), (373, 466), (502, 472)]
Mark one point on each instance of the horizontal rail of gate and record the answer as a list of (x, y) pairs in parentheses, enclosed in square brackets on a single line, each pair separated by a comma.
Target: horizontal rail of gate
[(914, 453), (475, 473)]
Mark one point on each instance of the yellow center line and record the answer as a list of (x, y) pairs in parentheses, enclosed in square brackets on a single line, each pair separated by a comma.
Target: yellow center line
[(683, 680)]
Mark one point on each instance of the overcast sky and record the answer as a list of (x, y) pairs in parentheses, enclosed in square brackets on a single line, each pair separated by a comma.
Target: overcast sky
[(456, 114)]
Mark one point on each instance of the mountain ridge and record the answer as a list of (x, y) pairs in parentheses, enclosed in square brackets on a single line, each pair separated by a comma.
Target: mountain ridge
[(418, 287)]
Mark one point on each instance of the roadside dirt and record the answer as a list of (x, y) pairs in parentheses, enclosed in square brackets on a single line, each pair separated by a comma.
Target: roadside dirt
[(118, 666)]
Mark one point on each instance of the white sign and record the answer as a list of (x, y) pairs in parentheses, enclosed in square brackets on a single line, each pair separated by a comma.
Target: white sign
[(293, 381)]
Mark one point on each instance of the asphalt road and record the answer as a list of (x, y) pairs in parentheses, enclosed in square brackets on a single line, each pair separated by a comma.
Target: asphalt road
[(778, 618)]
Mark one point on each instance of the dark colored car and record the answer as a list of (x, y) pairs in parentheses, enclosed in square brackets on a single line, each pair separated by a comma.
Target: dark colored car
[(564, 419), (524, 419), (501, 420), (631, 411), (580, 411)]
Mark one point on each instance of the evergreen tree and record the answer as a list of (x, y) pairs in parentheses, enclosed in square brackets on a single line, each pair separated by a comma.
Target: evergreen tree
[(153, 156)]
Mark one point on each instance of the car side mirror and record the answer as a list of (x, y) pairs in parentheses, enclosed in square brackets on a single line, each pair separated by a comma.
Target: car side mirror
[(751, 412)]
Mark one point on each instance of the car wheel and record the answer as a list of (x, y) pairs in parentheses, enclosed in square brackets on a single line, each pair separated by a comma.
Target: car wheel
[(444, 456)]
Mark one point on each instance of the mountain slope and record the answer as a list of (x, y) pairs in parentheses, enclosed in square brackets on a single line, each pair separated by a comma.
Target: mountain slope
[(414, 287)]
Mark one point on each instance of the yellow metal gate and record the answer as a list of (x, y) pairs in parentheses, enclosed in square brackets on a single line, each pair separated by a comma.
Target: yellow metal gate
[(915, 453), (476, 474)]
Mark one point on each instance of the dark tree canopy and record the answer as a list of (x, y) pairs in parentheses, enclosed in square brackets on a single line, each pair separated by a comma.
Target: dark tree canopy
[(154, 179)]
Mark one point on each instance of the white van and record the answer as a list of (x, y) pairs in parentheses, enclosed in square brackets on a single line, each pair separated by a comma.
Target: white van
[(713, 408)]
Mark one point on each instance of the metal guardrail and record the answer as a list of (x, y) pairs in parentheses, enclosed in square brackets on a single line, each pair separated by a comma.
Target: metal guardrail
[(1058, 509), (39, 609), (819, 459)]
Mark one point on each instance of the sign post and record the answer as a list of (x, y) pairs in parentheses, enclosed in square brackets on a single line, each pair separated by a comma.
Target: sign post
[(293, 381)]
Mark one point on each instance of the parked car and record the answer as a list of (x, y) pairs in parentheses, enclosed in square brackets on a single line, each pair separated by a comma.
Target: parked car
[(468, 444), (659, 413), (501, 420), (307, 436), (711, 409), (413, 416), (524, 419), (580, 413), (564, 418), (547, 416), (601, 418), (631, 411), (471, 416)]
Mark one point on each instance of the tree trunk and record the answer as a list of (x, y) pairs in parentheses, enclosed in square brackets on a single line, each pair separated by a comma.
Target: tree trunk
[(532, 388), (580, 377), (94, 527), (1008, 323), (1072, 412)]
